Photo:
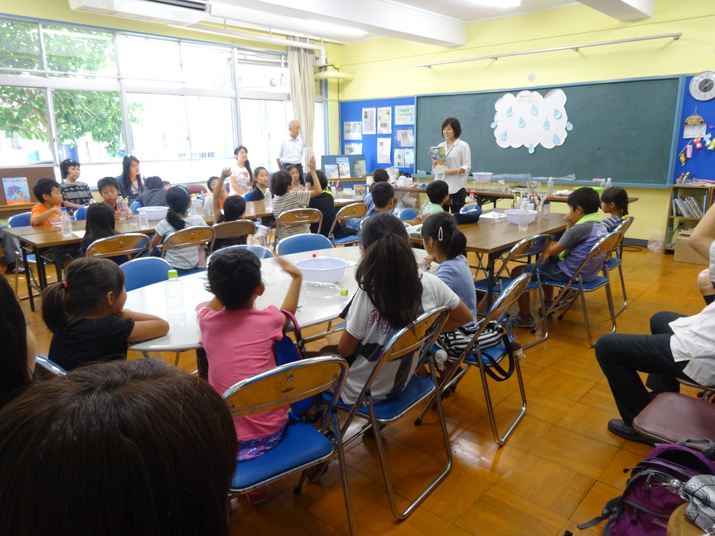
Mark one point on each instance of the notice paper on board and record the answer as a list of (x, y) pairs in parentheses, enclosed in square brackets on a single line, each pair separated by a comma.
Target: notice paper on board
[(384, 150), (384, 120), (406, 137), (399, 158), (352, 130), (369, 121), (409, 157)]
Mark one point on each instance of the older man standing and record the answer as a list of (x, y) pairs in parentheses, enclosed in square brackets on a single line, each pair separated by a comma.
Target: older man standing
[(291, 154)]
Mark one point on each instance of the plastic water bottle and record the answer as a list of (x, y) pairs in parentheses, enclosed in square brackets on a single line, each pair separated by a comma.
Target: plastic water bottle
[(422, 265), (268, 200), (143, 219), (550, 187), (66, 224), (261, 236), (174, 290), (122, 206), (608, 183), (523, 215)]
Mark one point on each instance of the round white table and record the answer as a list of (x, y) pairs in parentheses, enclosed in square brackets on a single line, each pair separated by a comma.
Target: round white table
[(316, 305)]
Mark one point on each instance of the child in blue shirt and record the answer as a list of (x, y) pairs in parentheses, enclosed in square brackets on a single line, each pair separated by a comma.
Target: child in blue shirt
[(614, 201)]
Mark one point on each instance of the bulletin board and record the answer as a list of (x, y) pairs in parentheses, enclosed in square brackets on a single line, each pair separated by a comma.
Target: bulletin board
[(351, 111), (702, 163)]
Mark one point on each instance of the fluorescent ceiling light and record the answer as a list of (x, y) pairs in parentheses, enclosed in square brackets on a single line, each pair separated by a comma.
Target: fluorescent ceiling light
[(334, 28), (504, 4)]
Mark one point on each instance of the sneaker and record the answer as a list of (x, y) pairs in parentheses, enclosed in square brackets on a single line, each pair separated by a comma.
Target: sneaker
[(258, 495), (13, 268), (541, 309), (621, 429), (522, 321)]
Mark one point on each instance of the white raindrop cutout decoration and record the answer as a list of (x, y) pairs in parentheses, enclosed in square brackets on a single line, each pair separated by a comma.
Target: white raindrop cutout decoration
[(521, 120)]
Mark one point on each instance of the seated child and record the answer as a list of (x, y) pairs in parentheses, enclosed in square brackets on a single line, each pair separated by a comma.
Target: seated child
[(221, 192), (284, 199), (383, 198), (438, 194), (566, 255), (297, 182), (100, 224), (74, 193), (238, 340), (325, 204), (614, 201), (48, 212), (154, 195), (86, 316), (109, 190), (391, 294), (179, 201), (261, 180)]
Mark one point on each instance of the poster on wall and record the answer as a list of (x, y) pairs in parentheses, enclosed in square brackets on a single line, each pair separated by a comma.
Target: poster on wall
[(399, 158), (529, 119), (405, 115), (409, 157), (406, 137), (384, 120), (368, 121), (384, 150), (353, 148), (16, 190), (352, 130)]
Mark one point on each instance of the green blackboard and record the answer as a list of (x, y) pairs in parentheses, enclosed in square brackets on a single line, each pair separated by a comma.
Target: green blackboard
[(625, 130)]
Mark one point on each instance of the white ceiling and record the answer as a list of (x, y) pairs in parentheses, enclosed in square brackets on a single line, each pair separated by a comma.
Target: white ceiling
[(472, 10)]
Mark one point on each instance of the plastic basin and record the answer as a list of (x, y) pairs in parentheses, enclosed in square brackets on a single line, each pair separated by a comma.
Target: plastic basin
[(482, 176), (323, 269), (513, 216), (154, 213)]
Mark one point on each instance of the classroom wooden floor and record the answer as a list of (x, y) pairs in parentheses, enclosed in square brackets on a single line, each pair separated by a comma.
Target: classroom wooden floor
[(558, 469)]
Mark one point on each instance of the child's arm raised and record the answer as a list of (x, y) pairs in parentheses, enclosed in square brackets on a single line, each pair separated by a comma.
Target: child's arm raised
[(220, 189), (290, 303), (145, 326), (314, 189)]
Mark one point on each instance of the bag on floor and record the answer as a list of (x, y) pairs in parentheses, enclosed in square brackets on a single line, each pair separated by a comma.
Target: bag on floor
[(454, 342), (649, 499)]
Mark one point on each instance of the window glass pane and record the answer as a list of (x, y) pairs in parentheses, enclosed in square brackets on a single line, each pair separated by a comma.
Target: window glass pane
[(157, 59), (79, 51), (263, 127), (206, 67), (24, 136), (211, 127), (266, 78), (160, 131), (19, 45), (89, 125)]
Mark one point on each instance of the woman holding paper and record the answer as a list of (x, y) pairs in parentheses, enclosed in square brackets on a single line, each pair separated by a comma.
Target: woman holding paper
[(458, 162)]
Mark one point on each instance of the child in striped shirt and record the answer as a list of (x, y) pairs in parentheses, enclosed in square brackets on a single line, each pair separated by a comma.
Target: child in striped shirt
[(284, 199), (614, 201)]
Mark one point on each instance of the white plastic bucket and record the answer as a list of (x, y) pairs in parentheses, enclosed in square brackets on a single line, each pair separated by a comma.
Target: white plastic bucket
[(154, 213), (323, 269)]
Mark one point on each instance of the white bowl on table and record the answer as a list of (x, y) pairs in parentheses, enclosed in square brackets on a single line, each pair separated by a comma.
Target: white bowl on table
[(323, 269), (154, 213), (482, 176), (513, 216)]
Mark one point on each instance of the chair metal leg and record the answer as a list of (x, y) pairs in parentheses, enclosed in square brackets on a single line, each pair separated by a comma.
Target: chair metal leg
[(544, 320), (623, 287), (176, 361), (454, 376), (145, 354), (299, 485), (343, 470)]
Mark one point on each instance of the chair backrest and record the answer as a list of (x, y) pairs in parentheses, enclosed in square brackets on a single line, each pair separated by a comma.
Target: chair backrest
[(354, 210), (417, 337), (535, 246), (234, 229), (188, 237), (20, 220), (299, 216), (122, 244), (135, 206), (81, 213), (625, 225), (196, 189), (287, 384), (301, 243), (408, 214), (603, 248), (259, 251), (247, 197), (139, 273), (47, 369)]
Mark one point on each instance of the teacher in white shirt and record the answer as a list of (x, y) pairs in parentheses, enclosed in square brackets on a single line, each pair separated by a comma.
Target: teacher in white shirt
[(291, 154), (458, 160)]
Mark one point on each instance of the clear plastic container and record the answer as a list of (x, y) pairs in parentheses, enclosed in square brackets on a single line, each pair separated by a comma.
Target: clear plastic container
[(523, 215), (268, 200), (66, 224), (175, 309), (143, 220)]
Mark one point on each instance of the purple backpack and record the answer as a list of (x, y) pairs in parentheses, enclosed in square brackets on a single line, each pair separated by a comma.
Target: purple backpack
[(647, 502)]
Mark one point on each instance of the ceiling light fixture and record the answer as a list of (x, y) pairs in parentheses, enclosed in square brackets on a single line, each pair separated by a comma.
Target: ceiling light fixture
[(333, 28), (504, 4)]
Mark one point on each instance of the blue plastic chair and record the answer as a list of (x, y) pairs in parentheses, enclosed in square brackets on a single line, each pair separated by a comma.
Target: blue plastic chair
[(259, 251), (135, 206), (20, 220), (247, 196), (353, 212), (303, 242), (80, 214), (408, 344), (302, 445), (408, 214), (139, 273), (24, 220)]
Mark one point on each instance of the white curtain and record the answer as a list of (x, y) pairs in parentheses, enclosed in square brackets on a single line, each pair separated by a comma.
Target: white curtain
[(302, 90)]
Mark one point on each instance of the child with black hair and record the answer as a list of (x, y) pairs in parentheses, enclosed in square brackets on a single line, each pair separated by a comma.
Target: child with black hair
[(109, 190), (297, 182), (47, 213), (241, 177), (238, 339), (383, 198), (74, 193), (177, 218), (100, 224), (220, 193), (566, 255), (438, 194), (86, 316), (326, 205), (379, 175), (285, 198), (261, 179), (614, 201), (154, 195)]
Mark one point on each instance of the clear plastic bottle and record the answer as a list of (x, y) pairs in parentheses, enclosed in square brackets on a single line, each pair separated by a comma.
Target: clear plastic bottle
[(268, 200), (550, 187), (174, 290), (66, 224), (523, 215), (122, 206), (143, 219), (608, 183), (261, 236), (422, 265)]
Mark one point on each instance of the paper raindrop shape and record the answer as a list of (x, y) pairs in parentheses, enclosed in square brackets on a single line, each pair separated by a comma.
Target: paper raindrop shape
[(503, 136), (509, 112), (547, 125), (557, 114), (531, 149), (557, 140), (534, 110), (494, 124), (569, 126), (522, 123)]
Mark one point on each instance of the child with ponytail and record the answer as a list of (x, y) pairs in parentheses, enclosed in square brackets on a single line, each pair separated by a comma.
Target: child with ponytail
[(179, 201), (391, 294), (614, 201), (86, 316)]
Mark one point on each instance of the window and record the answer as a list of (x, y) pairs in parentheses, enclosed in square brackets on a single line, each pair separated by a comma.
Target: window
[(206, 67), (263, 127), (19, 45), (153, 61), (161, 131), (267, 78), (24, 120), (79, 51)]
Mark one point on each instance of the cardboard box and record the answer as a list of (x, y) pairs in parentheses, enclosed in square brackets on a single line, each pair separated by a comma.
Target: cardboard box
[(684, 253)]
